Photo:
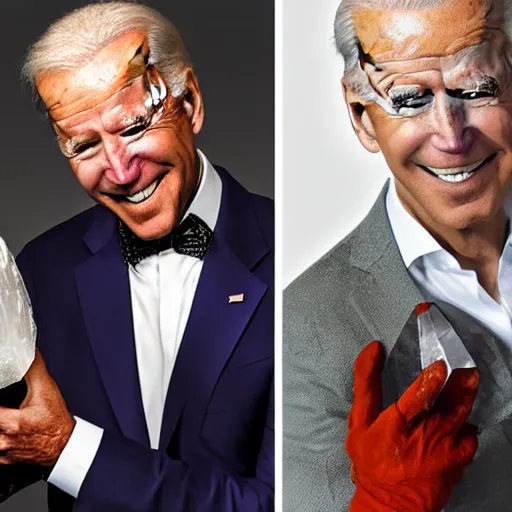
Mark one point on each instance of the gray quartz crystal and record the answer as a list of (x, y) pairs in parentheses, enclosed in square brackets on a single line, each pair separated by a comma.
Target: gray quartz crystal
[(17, 326)]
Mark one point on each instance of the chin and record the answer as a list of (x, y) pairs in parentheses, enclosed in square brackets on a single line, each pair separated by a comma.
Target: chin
[(149, 222), (471, 215), (151, 230), (149, 235)]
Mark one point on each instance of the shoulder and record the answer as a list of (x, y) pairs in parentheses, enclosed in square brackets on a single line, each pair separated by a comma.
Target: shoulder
[(244, 205), (321, 307), (263, 208), (64, 241), (324, 289), (329, 277), (320, 295)]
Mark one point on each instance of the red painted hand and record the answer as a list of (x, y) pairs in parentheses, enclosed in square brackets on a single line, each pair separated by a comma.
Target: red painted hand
[(38, 431), (409, 457)]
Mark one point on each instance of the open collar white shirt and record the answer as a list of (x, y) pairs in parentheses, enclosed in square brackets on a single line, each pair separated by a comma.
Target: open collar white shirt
[(439, 276)]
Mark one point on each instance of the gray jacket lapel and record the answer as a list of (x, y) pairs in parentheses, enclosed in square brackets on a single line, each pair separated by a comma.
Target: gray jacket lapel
[(386, 298)]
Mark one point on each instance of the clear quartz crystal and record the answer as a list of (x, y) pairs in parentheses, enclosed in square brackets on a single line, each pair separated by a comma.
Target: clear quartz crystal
[(17, 326), (438, 340)]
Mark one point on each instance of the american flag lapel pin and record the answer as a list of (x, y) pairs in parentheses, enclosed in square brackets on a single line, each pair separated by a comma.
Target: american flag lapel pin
[(232, 299)]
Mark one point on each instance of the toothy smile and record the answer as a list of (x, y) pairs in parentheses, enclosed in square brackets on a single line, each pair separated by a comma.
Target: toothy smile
[(142, 195), (457, 174)]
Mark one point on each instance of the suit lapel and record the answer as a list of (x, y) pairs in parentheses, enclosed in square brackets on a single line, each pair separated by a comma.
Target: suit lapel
[(104, 292), (213, 330), (386, 299), (215, 326), (388, 295)]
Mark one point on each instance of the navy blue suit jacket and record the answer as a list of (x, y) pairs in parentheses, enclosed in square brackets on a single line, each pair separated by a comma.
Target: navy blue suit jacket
[(216, 448)]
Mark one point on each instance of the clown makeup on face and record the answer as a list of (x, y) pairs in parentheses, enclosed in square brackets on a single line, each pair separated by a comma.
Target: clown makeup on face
[(441, 111), (129, 140), (131, 112)]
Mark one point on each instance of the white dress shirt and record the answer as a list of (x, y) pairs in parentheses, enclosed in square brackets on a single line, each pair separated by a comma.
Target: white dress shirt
[(438, 274), (162, 290)]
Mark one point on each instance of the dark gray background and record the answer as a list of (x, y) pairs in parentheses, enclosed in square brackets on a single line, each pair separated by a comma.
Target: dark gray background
[(231, 43)]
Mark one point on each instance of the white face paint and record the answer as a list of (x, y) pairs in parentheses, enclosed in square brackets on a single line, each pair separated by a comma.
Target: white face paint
[(404, 26), (475, 77), (135, 117)]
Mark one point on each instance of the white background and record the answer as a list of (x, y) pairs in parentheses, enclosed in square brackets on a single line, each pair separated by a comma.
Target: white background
[(329, 180)]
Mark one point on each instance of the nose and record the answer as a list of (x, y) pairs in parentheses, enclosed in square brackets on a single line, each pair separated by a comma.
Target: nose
[(450, 132), (122, 168)]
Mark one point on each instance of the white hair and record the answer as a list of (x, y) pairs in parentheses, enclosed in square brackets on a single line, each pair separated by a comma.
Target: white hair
[(76, 38), (348, 44)]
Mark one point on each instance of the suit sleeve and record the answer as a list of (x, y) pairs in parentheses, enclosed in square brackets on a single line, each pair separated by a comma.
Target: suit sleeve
[(128, 477), (316, 399)]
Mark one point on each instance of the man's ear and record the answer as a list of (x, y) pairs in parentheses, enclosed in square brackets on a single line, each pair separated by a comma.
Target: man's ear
[(193, 103), (360, 120)]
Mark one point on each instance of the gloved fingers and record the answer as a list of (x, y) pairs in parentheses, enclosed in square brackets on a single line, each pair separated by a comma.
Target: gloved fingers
[(367, 401), (466, 444), (423, 392), (457, 398)]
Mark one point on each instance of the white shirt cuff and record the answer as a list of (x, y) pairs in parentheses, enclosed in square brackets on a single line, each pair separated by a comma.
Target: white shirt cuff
[(77, 457)]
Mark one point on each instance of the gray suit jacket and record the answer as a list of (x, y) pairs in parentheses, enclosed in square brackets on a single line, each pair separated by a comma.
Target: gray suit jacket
[(358, 292)]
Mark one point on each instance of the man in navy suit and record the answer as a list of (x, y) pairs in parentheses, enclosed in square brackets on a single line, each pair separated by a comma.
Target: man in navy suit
[(155, 307)]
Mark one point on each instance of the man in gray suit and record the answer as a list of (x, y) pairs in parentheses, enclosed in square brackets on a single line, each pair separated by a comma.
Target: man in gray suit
[(428, 83)]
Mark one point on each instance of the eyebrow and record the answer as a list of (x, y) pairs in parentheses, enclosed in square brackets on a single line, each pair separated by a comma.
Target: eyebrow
[(72, 144), (491, 84), (481, 82), (403, 90), (489, 81), (132, 119)]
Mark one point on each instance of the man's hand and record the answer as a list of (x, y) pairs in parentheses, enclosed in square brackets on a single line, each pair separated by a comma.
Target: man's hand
[(409, 457), (38, 431)]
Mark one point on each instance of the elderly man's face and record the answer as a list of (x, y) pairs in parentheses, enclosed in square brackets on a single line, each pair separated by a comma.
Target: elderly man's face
[(129, 142), (447, 132)]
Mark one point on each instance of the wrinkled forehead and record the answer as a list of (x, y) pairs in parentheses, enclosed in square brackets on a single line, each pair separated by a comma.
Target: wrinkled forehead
[(469, 66), (393, 35), (122, 107), (67, 93)]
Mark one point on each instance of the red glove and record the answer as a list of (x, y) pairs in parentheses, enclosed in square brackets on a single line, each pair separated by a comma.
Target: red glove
[(409, 457)]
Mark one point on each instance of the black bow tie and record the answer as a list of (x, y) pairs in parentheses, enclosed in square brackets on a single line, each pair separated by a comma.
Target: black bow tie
[(191, 237)]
